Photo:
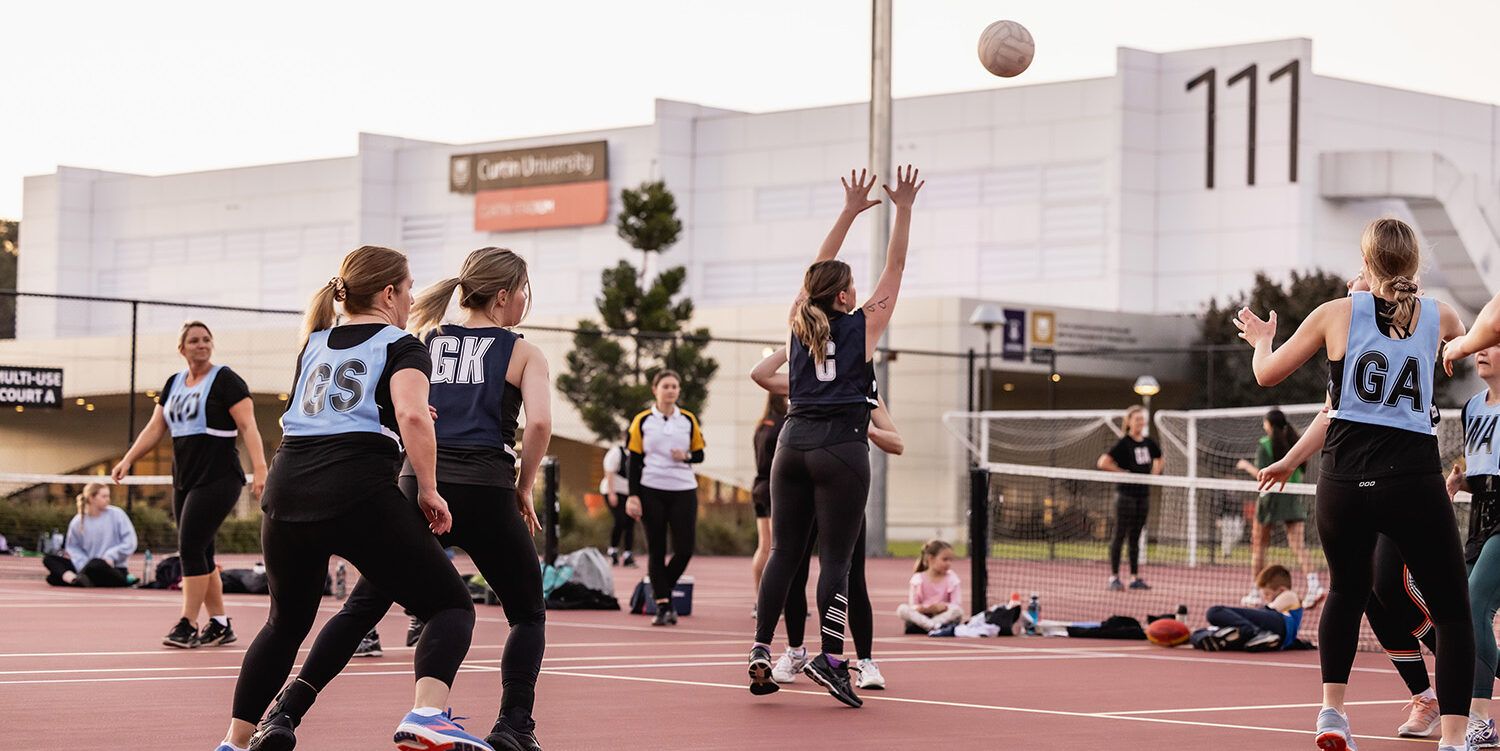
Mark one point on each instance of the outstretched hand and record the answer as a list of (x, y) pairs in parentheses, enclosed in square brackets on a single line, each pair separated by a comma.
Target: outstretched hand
[(907, 186), (1253, 329), (1453, 351), (857, 192)]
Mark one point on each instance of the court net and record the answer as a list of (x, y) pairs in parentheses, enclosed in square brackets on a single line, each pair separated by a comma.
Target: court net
[(1046, 515)]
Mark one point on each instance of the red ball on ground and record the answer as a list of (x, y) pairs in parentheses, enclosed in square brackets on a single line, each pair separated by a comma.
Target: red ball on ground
[(1168, 632)]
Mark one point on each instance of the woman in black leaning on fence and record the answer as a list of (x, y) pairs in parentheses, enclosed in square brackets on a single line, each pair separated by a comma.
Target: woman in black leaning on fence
[(205, 407)]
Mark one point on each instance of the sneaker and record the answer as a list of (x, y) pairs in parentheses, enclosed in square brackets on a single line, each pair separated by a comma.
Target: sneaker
[(834, 678), (182, 636), (369, 646), (761, 682), (1314, 596), (628, 560), (439, 732), (663, 615), (671, 616), (215, 635), (1424, 719), (791, 663), (1264, 641), (414, 631), (1115, 585), (1253, 600), (1333, 731), (1139, 583), (1482, 734), (869, 675), (506, 738), (275, 733), (614, 557)]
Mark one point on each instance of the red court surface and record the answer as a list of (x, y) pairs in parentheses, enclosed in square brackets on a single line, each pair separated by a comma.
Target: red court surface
[(84, 669)]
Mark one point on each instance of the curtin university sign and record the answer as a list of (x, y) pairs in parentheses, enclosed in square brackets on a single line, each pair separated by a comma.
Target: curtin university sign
[(30, 387), (535, 188)]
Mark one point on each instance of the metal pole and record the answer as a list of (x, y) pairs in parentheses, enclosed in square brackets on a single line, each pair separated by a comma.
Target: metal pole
[(135, 309), (969, 395), (880, 163), (979, 545), (551, 512), (987, 387)]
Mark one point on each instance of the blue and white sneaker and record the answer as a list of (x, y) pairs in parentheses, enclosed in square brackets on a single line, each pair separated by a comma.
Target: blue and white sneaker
[(227, 747), (439, 732), (1482, 734), (1333, 731)]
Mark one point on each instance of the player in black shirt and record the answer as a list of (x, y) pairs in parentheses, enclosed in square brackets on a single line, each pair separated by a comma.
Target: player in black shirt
[(765, 437), (204, 407), (1138, 454)]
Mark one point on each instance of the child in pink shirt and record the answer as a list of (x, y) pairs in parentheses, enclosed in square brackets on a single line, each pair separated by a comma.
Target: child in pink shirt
[(935, 599)]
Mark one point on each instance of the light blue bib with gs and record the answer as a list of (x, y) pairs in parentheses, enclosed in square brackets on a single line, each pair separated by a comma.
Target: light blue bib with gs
[(1480, 420), (1389, 381), (186, 408), (336, 392)]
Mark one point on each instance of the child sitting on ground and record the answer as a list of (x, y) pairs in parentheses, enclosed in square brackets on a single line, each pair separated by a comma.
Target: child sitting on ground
[(935, 599), (1263, 629)]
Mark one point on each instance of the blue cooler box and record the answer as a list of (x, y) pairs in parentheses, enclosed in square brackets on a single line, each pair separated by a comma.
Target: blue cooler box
[(643, 601)]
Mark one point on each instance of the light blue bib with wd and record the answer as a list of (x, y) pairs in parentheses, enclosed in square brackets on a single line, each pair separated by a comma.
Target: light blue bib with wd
[(335, 394), (186, 408), (1389, 381), (1479, 436)]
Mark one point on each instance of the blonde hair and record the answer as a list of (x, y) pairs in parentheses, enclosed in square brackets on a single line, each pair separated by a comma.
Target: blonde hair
[(821, 285), (1274, 575), (1130, 412), (365, 273), (83, 499), (485, 273), (187, 326), (932, 548), (1393, 257)]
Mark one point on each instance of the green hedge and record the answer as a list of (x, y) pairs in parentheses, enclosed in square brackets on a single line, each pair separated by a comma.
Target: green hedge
[(154, 530)]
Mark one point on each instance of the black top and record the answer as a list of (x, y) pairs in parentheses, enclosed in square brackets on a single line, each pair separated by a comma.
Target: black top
[(201, 459), (321, 477), (765, 446), (1355, 451), (478, 411), (829, 403), (1135, 456)]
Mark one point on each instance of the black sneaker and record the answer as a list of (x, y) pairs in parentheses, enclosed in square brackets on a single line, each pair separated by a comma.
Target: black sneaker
[(614, 557), (275, 733), (369, 646), (761, 682), (414, 631), (664, 615), (215, 635), (503, 737), (628, 560), (182, 636), (1265, 641), (1139, 583), (671, 615), (835, 679)]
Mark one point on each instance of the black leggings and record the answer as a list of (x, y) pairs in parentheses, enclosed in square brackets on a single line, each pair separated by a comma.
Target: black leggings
[(1247, 620), (387, 539), (199, 512), (1130, 519), (622, 535), (95, 573), (861, 614), (1415, 513), (661, 510), (826, 487), (1397, 616), (487, 524)]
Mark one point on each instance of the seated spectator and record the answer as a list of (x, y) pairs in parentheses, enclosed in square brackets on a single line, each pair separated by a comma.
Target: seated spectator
[(935, 599), (100, 540), (1264, 629)]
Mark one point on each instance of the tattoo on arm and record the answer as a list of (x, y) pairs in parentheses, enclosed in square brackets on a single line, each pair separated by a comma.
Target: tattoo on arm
[(881, 304)]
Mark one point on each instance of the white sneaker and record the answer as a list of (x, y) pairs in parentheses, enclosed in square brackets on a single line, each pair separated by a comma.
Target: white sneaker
[(789, 665), (1253, 600), (1314, 596), (869, 674)]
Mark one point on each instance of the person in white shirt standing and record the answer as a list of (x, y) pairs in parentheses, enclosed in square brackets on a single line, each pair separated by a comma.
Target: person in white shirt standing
[(664, 442), (615, 487)]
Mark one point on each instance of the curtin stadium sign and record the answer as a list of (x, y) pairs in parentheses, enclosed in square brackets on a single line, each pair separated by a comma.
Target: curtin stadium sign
[(30, 387)]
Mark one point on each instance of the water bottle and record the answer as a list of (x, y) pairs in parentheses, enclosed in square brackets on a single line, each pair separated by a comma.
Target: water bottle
[(1181, 612), (340, 588), (147, 573), (259, 568), (1033, 615)]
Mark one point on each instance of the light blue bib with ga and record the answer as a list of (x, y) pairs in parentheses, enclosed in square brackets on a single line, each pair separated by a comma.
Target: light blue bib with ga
[(1389, 381), (186, 408), (335, 394)]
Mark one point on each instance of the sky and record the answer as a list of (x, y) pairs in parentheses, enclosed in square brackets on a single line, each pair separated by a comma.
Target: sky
[(162, 87)]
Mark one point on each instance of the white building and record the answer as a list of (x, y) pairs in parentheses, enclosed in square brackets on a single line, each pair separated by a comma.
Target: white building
[(1089, 195)]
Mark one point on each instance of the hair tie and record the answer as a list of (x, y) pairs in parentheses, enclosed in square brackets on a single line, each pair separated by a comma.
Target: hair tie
[(340, 288), (1404, 284)]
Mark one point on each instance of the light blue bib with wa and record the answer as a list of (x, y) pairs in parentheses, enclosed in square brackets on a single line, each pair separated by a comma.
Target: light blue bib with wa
[(186, 407), (1479, 436), (335, 394), (1389, 381)]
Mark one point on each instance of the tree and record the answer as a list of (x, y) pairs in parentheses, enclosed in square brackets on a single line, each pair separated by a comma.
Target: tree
[(641, 327), (1228, 375), (10, 251)]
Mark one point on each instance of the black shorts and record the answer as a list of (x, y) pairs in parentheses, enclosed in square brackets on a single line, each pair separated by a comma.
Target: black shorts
[(760, 497)]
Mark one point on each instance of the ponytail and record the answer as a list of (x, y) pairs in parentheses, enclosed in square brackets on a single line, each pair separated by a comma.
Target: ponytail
[(932, 548), (1283, 435), (485, 274), (432, 305), (364, 273), (1393, 256), (83, 501), (810, 326), (320, 312), (821, 285)]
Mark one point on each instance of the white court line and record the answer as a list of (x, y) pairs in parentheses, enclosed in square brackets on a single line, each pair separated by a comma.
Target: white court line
[(991, 707), (1248, 707), (175, 653)]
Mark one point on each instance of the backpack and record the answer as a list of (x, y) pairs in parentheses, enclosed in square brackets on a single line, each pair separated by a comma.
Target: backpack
[(575, 596), (244, 581), (590, 568), (168, 574)]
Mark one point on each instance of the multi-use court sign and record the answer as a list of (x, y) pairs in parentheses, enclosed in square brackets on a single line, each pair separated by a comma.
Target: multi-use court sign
[(30, 387), (535, 188)]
